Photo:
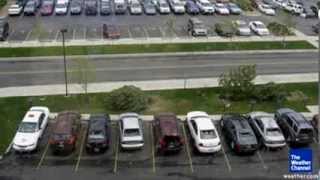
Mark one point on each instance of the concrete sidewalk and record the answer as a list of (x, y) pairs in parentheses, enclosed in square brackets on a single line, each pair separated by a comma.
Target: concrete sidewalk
[(59, 89)]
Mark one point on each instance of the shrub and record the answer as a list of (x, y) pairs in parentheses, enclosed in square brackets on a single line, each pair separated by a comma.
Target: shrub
[(127, 98), (279, 29), (3, 3), (245, 5)]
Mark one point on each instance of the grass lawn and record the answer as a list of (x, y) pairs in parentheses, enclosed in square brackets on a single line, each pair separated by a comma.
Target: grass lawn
[(152, 48), (178, 101)]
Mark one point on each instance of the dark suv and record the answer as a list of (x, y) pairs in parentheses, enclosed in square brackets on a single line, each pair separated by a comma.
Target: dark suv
[(98, 135), (65, 132), (238, 133), (167, 134), (295, 127)]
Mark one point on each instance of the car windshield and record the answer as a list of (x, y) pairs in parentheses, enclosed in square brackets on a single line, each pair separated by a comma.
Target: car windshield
[(273, 132), (131, 132), (206, 4), (164, 5), (97, 134), (27, 127), (261, 26), (135, 5), (60, 6), (199, 25), (208, 134), (233, 6), (220, 5), (30, 5), (61, 136)]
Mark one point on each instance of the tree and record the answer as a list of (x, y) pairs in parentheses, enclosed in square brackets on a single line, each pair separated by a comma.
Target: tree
[(127, 98), (238, 84), (289, 23)]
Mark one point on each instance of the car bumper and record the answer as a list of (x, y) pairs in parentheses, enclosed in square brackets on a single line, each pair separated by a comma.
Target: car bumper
[(14, 13), (211, 149), (278, 145), (24, 149), (132, 146)]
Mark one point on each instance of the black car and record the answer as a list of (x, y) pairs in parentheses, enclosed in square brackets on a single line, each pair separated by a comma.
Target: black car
[(296, 129), (76, 7), (238, 133), (105, 7), (91, 7), (4, 28), (98, 135)]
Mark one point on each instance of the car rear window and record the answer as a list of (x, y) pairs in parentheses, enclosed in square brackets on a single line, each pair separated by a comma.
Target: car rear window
[(98, 134), (306, 131), (131, 132), (58, 137), (208, 134), (245, 134)]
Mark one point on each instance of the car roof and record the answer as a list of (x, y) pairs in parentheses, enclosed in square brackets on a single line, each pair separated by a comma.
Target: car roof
[(268, 122), (130, 120), (195, 20), (168, 124), (204, 123), (32, 116), (65, 122), (239, 121), (97, 122)]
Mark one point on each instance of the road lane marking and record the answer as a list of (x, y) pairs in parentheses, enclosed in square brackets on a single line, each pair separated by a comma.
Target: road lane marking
[(81, 149), (43, 156), (262, 161), (226, 158), (187, 148), (115, 167), (152, 150)]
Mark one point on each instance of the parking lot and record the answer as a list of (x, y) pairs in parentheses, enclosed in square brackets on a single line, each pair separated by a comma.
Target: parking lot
[(146, 163), (47, 28)]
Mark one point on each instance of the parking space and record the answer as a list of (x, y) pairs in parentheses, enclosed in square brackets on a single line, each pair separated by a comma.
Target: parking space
[(153, 31), (93, 32), (124, 31), (137, 31)]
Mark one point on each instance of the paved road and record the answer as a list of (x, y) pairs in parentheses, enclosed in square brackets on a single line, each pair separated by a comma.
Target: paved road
[(121, 68)]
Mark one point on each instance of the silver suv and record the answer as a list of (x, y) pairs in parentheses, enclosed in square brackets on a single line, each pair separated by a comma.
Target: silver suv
[(196, 27)]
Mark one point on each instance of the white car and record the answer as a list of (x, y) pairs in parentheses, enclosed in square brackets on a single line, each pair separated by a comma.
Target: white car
[(203, 132), (242, 28), (221, 8), (267, 130), (31, 129), (205, 6), (135, 7), (259, 28), (15, 9), (293, 7), (266, 9), (177, 6), (61, 8), (131, 133), (163, 7)]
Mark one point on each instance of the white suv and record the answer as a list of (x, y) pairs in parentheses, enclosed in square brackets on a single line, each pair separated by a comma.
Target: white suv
[(131, 133), (203, 132), (31, 129)]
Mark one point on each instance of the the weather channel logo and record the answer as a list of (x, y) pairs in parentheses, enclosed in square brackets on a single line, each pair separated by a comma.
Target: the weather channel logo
[(300, 160)]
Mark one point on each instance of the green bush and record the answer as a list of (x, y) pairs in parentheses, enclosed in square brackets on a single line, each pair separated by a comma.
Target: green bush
[(279, 29), (127, 98), (245, 5), (3, 3)]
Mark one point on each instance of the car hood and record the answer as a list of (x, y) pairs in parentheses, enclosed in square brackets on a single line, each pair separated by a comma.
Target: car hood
[(25, 139), (133, 138), (275, 138)]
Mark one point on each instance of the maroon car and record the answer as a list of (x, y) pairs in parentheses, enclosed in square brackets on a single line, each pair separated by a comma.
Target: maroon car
[(47, 8), (111, 31)]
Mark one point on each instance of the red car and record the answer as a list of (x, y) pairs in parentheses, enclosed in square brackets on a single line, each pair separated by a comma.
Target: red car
[(46, 8)]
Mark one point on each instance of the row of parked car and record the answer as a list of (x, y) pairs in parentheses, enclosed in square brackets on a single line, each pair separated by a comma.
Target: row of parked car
[(135, 7), (243, 133)]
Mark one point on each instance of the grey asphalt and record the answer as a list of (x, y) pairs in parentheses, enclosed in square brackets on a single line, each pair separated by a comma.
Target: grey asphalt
[(41, 71)]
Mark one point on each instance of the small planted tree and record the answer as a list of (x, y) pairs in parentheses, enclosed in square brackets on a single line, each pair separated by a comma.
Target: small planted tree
[(238, 83), (127, 98), (288, 23)]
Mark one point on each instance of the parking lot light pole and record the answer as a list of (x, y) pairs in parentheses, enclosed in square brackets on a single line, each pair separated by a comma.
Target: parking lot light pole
[(64, 60)]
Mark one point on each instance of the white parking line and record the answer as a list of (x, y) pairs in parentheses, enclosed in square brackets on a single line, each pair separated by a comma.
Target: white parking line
[(43, 156), (187, 148), (73, 33), (163, 34), (56, 36), (226, 158), (129, 33), (81, 149), (152, 150), (28, 35), (145, 32), (262, 161), (10, 33), (115, 167)]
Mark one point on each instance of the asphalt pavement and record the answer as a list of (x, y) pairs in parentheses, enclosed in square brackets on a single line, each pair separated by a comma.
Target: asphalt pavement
[(49, 70)]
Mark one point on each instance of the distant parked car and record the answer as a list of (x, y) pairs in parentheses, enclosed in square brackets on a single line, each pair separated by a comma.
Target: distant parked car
[(98, 135), (105, 7), (47, 8), (308, 12), (205, 6), (266, 9), (163, 7), (204, 134), (135, 7), (31, 129), (295, 127), (271, 3), (111, 31), (177, 6), (259, 28), (120, 6), (293, 7), (4, 28), (242, 28), (131, 131), (30, 8), (196, 27), (224, 29), (221, 8), (267, 130), (234, 8), (192, 8), (238, 133), (65, 132), (15, 9), (167, 133), (61, 7), (76, 7), (149, 8), (91, 7)]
